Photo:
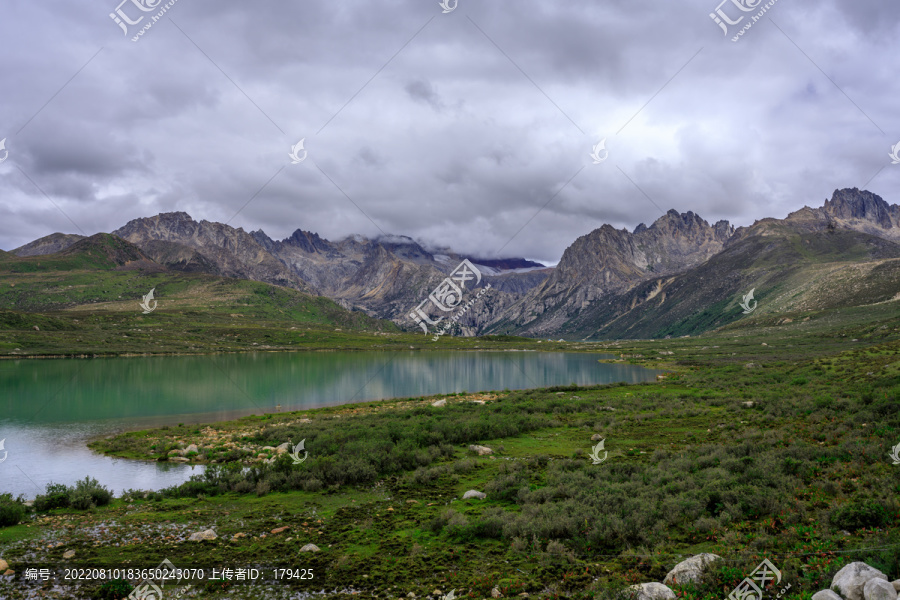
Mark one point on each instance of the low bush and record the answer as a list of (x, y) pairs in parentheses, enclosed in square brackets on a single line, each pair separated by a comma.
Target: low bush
[(11, 511), (114, 589), (91, 488), (858, 515), (84, 495), (57, 496)]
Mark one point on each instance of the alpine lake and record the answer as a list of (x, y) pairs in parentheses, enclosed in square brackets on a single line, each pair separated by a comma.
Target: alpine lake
[(53, 408)]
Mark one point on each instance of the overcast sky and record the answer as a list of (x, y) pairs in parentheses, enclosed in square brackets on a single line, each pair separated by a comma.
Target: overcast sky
[(457, 129)]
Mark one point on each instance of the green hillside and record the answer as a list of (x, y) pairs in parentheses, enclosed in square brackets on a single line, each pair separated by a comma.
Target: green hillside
[(794, 276), (86, 300)]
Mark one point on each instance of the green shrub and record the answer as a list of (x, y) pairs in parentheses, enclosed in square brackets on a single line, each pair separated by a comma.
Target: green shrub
[(312, 485), (454, 522), (114, 589), (91, 488), (86, 494), (11, 511), (244, 487), (57, 496), (81, 500), (858, 515), (457, 525), (491, 524)]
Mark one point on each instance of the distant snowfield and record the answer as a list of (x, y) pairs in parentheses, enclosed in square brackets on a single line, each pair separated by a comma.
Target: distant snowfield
[(492, 271)]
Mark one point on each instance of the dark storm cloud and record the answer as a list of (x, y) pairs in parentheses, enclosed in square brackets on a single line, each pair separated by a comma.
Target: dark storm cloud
[(456, 129), (423, 91)]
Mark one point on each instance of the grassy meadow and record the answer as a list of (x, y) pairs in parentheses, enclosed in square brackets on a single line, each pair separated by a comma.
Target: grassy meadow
[(765, 440)]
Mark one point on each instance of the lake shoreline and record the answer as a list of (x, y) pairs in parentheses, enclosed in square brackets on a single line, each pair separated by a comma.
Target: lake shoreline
[(284, 351), (82, 403), (553, 518)]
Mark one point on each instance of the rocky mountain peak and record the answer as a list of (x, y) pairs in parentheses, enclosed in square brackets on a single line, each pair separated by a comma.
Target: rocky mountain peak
[(850, 208), (854, 204), (610, 261), (307, 241), (231, 251), (176, 216), (688, 223), (724, 230), (169, 226)]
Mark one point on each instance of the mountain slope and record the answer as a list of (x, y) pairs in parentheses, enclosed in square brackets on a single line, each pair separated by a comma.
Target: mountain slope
[(101, 251), (606, 276), (106, 274), (610, 261), (179, 257), (234, 252), (849, 208), (48, 244), (791, 273), (388, 276)]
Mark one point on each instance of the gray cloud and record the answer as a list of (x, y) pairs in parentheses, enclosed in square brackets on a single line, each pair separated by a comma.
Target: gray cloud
[(423, 91), (456, 129)]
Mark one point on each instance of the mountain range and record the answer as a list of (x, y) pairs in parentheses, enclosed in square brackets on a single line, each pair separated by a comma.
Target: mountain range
[(680, 275)]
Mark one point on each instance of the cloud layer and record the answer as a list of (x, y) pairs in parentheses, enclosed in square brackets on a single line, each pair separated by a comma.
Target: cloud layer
[(471, 129)]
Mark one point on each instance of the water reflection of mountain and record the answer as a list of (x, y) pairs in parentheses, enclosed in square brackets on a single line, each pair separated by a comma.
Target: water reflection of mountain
[(122, 388)]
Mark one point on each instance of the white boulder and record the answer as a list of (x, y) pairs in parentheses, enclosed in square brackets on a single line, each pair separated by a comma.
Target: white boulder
[(879, 589), (690, 570), (849, 581), (652, 591), (200, 536), (826, 595)]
